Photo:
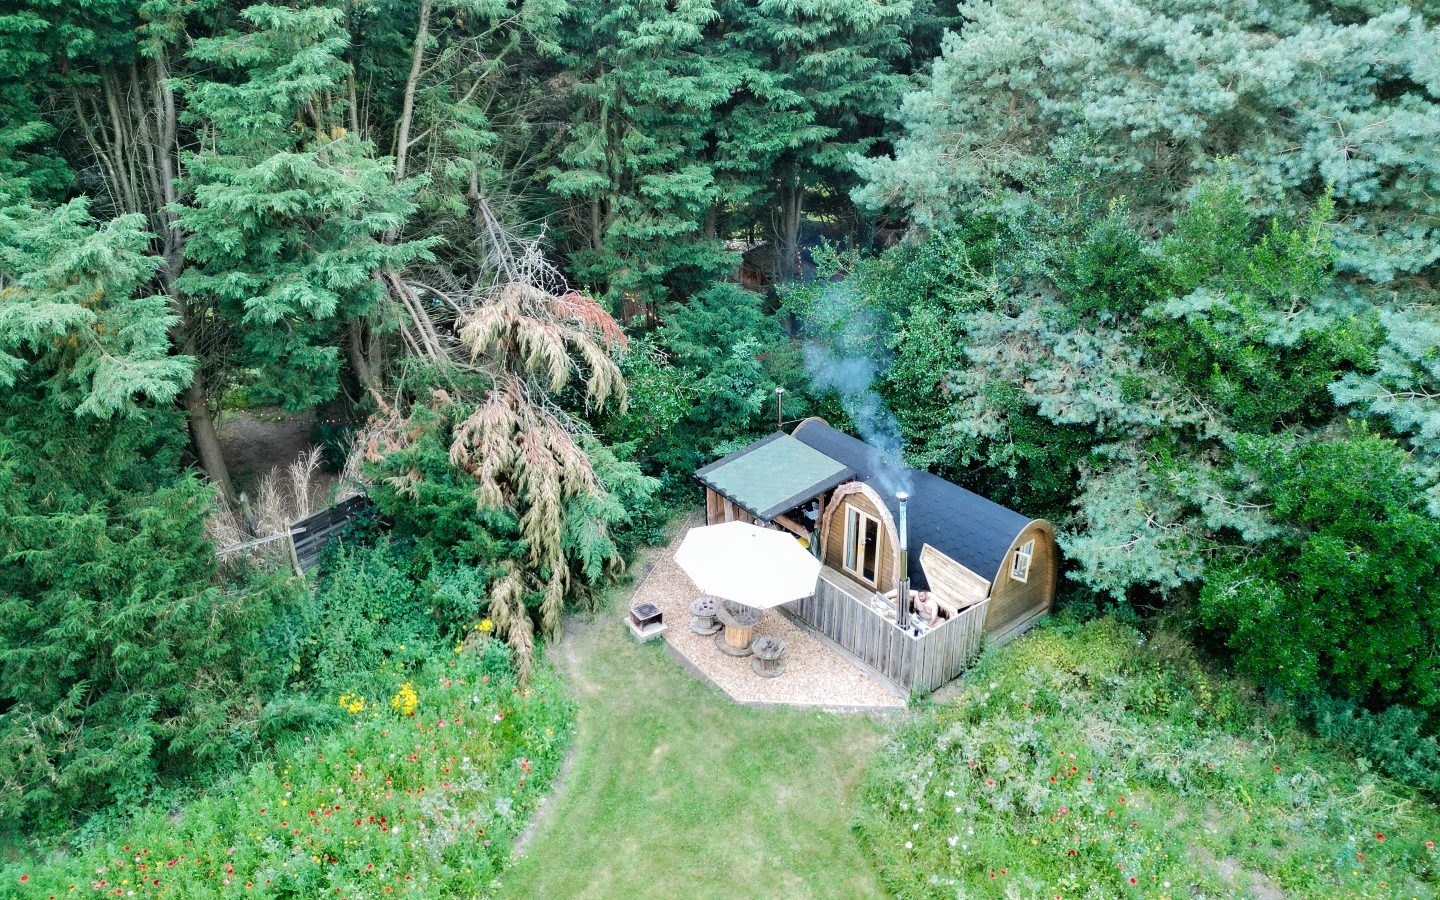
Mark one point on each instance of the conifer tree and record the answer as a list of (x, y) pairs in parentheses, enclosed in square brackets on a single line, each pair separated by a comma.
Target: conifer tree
[(820, 76), (1163, 90), (286, 212), (633, 159)]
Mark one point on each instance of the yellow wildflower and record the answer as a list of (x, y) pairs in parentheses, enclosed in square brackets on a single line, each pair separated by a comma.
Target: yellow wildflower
[(406, 701)]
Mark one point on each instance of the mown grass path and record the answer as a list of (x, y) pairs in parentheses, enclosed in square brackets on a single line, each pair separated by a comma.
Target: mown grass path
[(676, 791)]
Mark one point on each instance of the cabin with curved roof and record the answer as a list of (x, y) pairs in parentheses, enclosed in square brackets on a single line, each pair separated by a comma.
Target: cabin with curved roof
[(989, 569)]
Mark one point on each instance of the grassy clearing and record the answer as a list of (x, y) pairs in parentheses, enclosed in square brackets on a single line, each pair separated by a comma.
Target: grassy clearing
[(676, 791), (419, 794), (1087, 761)]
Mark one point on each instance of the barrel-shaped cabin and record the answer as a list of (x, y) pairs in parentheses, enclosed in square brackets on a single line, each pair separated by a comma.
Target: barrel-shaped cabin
[(990, 570)]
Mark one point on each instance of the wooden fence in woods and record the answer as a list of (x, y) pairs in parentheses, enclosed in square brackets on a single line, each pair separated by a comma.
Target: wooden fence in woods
[(842, 613), (309, 536)]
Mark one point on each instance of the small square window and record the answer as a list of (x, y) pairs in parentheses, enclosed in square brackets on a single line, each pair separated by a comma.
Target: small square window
[(1020, 565)]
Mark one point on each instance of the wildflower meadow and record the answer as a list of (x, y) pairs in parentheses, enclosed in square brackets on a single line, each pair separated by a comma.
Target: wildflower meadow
[(419, 792), (1085, 761)]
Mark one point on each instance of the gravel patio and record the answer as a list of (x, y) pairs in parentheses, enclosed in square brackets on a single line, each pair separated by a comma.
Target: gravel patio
[(815, 673)]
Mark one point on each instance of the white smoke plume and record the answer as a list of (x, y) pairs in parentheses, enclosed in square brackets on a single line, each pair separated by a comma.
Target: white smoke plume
[(839, 357)]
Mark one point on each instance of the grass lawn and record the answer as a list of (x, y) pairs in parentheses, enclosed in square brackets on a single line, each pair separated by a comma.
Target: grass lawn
[(676, 791)]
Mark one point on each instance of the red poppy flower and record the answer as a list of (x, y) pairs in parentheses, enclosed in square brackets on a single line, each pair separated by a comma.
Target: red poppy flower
[(24, 878), (1379, 836), (1132, 879)]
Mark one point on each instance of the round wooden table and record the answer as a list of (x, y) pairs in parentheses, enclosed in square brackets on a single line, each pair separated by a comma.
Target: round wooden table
[(739, 621)]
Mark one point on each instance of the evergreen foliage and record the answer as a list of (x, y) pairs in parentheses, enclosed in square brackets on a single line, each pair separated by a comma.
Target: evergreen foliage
[(75, 311), (286, 212), (1166, 91)]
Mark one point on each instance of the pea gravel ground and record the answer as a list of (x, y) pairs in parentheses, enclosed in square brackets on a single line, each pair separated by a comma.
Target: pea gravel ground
[(815, 674)]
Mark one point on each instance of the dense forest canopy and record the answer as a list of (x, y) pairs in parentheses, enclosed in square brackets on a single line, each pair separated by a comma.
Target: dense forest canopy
[(1160, 271)]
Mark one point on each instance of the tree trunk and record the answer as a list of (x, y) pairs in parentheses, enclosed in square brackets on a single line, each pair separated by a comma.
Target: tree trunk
[(207, 440), (360, 349), (407, 101), (787, 230)]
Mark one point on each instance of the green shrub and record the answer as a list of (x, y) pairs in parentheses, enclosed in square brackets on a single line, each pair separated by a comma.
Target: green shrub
[(369, 611), (1392, 740), (1340, 601)]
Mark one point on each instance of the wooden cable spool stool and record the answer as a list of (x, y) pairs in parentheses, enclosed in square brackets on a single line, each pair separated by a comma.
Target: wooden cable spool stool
[(739, 621), (702, 616), (769, 661)]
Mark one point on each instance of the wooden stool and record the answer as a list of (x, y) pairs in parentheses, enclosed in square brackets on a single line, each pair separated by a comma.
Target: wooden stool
[(702, 613), (769, 661), (739, 621)]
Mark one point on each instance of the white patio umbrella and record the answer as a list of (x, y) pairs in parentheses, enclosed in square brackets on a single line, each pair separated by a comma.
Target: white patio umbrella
[(759, 567)]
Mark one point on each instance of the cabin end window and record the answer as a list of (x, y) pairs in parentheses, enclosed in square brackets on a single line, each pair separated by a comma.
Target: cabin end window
[(1020, 564)]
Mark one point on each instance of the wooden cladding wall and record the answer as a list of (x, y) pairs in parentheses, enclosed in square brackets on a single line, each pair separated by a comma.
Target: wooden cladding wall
[(839, 610), (718, 509), (1015, 604), (308, 537), (888, 540)]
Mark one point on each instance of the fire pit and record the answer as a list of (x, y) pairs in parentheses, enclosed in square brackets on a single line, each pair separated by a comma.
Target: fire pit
[(645, 621)]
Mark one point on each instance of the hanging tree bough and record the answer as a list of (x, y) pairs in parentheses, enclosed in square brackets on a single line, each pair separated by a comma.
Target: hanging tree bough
[(531, 337)]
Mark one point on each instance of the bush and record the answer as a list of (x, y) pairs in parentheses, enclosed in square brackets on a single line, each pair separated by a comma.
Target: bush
[(421, 804), (1392, 740), (1088, 760), (1340, 601), (367, 612)]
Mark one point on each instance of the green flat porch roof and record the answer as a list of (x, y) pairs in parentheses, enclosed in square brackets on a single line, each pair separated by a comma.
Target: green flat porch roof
[(774, 474)]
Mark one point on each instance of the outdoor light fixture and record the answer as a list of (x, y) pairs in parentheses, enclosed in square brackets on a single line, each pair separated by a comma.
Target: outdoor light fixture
[(779, 409)]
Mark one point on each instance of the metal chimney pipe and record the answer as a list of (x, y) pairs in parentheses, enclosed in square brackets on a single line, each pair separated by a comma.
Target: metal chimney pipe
[(902, 597), (779, 409)]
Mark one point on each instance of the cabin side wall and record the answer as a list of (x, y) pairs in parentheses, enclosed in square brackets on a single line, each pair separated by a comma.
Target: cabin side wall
[(718, 509), (834, 539), (1015, 605)]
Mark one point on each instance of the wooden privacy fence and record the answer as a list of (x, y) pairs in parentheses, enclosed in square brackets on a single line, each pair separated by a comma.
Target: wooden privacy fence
[(309, 536), (914, 663)]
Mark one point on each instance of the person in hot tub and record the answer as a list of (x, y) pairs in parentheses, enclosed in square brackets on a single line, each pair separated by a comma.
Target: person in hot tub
[(927, 611)]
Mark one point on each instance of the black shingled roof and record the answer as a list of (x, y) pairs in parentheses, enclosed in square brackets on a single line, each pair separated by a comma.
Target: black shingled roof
[(961, 524)]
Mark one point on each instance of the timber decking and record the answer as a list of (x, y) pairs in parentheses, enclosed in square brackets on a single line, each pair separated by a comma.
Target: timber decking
[(840, 610)]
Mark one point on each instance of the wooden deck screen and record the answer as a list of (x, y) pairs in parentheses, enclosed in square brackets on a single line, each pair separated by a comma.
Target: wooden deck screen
[(840, 611)]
